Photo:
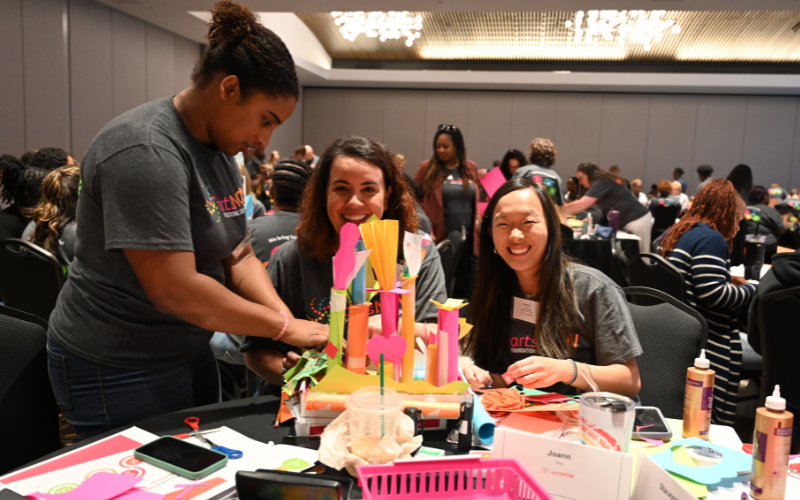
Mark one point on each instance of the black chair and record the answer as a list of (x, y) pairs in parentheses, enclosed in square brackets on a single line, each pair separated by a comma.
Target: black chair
[(28, 410), (777, 322), (30, 277), (620, 269), (663, 218), (671, 334), (447, 255), (654, 271)]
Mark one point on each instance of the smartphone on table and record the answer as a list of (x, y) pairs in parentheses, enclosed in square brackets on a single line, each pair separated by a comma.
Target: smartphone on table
[(655, 427), (185, 459)]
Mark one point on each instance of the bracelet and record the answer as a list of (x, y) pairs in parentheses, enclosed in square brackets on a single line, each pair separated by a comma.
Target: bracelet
[(491, 382), (285, 325), (574, 372)]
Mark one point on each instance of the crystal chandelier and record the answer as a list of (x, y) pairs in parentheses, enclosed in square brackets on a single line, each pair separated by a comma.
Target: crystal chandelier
[(386, 25), (635, 26)]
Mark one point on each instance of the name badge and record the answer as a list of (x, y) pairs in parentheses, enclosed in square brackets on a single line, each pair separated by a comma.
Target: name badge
[(526, 310)]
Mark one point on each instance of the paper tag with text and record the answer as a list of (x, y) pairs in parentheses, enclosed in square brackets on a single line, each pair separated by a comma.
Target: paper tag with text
[(654, 483), (526, 310)]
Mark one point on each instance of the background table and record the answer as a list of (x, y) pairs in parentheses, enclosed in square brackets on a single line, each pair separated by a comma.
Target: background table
[(597, 253)]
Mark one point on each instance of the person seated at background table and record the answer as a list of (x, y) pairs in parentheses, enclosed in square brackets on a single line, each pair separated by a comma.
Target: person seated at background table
[(699, 246), (677, 193), (636, 189), (539, 316), (604, 191), (355, 179), (664, 196), (541, 158), (512, 161), (161, 256), (49, 158), (763, 218), (52, 224), (573, 189)]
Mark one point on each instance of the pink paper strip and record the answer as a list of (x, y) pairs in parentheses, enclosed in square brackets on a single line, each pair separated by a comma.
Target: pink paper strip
[(448, 327), (492, 181), (655, 442), (388, 313), (100, 486)]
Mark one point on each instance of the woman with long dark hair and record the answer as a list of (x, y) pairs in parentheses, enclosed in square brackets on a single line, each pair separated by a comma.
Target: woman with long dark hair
[(699, 246), (356, 178), (512, 161), (450, 195), (539, 316), (162, 257), (607, 191)]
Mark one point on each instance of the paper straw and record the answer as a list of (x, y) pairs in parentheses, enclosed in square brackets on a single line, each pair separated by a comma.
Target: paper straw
[(408, 327), (432, 363), (382, 420), (357, 338)]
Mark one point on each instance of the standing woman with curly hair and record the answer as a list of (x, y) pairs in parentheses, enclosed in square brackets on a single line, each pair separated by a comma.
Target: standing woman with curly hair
[(161, 257), (52, 224), (699, 246), (450, 195)]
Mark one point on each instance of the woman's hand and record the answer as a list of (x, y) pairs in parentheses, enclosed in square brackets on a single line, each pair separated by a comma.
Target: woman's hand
[(374, 326), (537, 371), (477, 378), (290, 361), (738, 280), (305, 334)]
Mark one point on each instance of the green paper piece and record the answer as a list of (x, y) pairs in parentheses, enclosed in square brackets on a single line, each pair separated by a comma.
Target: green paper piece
[(295, 464), (336, 324), (531, 392), (309, 367)]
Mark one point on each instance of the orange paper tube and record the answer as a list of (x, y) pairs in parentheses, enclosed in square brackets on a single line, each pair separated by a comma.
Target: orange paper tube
[(335, 402), (357, 339), (431, 373), (409, 305)]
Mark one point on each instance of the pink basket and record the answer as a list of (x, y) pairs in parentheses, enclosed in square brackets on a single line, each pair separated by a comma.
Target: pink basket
[(463, 478)]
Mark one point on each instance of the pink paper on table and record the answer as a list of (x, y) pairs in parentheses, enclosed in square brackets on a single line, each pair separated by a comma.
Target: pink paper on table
[(101, 449), (492, 181), (538, 424), (103, 486)]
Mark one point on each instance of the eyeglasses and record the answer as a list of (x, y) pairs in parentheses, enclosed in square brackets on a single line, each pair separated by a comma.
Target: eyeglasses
[(448, 128)]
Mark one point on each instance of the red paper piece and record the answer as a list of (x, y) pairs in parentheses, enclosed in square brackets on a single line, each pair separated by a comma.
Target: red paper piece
[(331, 350), (508, 378), (105, 448)]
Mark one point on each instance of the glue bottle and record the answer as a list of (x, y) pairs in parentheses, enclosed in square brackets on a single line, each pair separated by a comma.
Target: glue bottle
[(698, 398), (772, 439)]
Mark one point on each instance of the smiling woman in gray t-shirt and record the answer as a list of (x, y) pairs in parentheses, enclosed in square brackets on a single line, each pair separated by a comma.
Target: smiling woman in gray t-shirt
[(161, 254)]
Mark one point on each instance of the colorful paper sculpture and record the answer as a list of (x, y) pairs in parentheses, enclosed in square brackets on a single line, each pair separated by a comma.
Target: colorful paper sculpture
[(448, 340), (346, 263)]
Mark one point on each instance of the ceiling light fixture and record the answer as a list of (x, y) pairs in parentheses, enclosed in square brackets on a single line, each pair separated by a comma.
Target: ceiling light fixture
[(386, 25), (623, 26)]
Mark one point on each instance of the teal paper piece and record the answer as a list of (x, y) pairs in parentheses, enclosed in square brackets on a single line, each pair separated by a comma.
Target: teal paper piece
[(733, 462)]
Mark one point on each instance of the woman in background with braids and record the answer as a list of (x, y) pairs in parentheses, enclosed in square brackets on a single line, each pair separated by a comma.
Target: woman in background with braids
[(161, 256), (52, 224), (699, 246)]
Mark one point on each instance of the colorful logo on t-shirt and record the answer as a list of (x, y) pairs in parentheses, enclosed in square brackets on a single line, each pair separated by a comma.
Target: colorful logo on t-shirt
[(523, 345), (227, 206)]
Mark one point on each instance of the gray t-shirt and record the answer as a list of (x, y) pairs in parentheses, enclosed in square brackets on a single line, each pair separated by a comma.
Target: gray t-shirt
[(603, 324), (458, 203), (611, 195), (305, 284), (146, 184), (767, 219), (546, 176), (272, 231)]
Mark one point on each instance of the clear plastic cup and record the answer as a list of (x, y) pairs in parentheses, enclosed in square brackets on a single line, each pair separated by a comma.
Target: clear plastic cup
[(607, 420), (372, 416)]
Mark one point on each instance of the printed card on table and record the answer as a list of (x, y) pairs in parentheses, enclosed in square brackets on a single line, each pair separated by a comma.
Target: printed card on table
[(653, 482), (568, 471)]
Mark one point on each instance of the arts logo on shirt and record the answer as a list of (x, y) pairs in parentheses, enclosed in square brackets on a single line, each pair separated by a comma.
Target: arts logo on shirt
[(523, 345), (227, 206)]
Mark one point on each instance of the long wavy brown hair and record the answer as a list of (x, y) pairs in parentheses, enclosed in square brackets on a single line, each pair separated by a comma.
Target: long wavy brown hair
[(56, 207), (316, 235), (714, 205)]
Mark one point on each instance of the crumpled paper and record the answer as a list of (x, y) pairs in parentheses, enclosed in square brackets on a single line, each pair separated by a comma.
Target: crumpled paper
[(334, 449)]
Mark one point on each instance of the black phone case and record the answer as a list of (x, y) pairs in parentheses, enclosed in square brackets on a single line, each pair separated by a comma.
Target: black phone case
[(251, 485)]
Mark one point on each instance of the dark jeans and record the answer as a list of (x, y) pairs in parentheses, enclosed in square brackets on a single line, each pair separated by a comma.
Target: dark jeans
[(97, 398)]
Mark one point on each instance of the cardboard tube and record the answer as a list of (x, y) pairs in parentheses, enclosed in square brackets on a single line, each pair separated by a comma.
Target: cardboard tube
[(357, 339), (432, 375), (408, 326), (388, 313)]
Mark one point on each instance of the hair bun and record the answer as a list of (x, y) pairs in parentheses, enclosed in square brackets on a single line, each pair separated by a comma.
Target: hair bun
[(230, 23)]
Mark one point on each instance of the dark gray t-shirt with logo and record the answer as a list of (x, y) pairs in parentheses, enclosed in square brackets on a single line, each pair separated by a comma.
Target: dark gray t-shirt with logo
[(603, 325), (146, 184)]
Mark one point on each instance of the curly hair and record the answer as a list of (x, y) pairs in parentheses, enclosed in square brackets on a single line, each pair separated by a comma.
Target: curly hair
[(29, 188), (542, 152), (316, 235), (239, 45), (49, 158), (10, 171), (56, 208), (714, 205)]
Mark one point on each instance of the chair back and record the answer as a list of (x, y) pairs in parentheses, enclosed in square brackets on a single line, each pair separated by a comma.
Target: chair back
[(457, 238), (28, 411), (663, 218), (777, 321), (654, 271), (620, 266), (671, 334), (30, 277)]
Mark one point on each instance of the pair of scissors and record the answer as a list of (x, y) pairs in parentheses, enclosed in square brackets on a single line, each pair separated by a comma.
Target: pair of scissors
[(194, 423)]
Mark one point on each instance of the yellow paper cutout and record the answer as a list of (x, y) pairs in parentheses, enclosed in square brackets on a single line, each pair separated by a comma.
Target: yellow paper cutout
[(450, 304), (464, 328), (342, 381), (381, 237), (680, 456)]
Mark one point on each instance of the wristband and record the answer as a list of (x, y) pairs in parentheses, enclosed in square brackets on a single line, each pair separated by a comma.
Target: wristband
[(574, 372), (285, 325), (491, 382)]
